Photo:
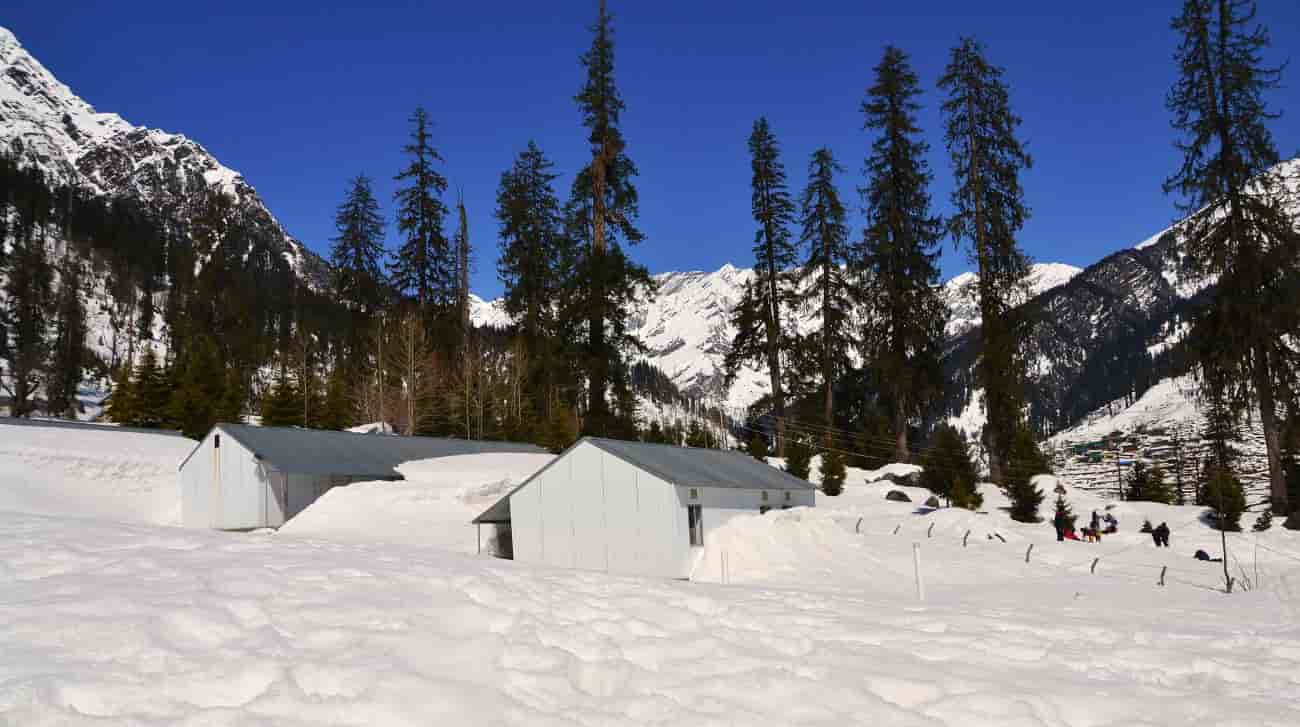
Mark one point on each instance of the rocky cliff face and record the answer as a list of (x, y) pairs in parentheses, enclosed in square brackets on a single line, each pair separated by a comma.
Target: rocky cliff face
[(43, 123)]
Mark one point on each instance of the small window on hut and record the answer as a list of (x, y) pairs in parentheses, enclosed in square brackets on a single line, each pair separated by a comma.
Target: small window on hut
[(695, 494), (764, 498)]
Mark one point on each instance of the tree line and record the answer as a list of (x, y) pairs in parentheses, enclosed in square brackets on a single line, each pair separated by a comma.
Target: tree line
[(874, 296)]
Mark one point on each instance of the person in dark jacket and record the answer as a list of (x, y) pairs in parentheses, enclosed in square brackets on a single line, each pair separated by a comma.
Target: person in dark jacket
[(1095, 526), (1161, 535), (1060, 522)]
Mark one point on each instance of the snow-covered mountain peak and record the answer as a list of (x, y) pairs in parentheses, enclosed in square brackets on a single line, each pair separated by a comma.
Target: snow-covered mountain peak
[(45, 124), (8, 42), (687, 328), (961, 293)]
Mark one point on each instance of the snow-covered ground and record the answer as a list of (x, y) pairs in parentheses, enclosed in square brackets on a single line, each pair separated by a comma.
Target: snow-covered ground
[(106, 621), (433, 506)]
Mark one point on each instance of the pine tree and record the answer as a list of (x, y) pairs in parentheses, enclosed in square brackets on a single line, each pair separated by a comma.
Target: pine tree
[(602, 210), (699, 437), (152, 393), (425, 263), (833, 469), (464, 261), (194, 405), (27, 303), (759, 314), (798, 457), (1224, 495), (357, 255), (825, 274), (905, 316), (1062, 508), (68, 357), (357, 258), (874, 432), (336, 409), (980, 134), (230, 409), (1239, 230), (121, 407), (947, 469), (282, 405), (757, 447), (1024, 461), (1221, 424), (531, 243), (561, 429), (1148, 484)]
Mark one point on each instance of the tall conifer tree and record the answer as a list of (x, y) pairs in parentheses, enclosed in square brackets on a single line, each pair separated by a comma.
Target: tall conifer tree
[(758, 315), (531, 245), (463, 264), (989, 209), (905, 316), (28, 300), (825, 273), (358, 251), (68, 356), (425, 264), (1239, 229), (601, 212), (357, 257)]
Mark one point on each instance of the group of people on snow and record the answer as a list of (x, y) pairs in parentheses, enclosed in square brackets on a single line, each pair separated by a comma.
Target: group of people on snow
[(1097, 526)]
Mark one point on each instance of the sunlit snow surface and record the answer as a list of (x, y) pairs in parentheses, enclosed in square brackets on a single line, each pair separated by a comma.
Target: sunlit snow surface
[(115, 622)]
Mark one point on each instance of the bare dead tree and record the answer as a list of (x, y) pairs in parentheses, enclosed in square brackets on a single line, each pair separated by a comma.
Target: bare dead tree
[(414, 361)]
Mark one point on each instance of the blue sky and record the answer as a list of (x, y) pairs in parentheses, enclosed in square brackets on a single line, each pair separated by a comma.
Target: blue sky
[(300, 97)]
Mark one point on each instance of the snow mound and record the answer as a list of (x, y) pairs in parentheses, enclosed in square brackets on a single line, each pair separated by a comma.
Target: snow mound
[(372, 428), (91, 471), (432, 506), (894, 472)]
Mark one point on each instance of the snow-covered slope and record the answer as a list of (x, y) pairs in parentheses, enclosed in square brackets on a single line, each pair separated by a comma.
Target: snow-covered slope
[(1163, 427), (44, 123)]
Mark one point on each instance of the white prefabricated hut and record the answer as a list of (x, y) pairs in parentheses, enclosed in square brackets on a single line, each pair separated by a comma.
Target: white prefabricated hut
[(632, 507), (241, 477)]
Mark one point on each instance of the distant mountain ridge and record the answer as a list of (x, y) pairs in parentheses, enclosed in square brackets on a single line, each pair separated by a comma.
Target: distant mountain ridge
[(687, 332)]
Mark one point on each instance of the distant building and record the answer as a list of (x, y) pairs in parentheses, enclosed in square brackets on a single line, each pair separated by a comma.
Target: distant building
[(242, 477), (635, 508)]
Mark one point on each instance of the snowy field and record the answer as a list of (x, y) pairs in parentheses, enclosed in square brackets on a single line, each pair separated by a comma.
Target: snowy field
[(111, 618)]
